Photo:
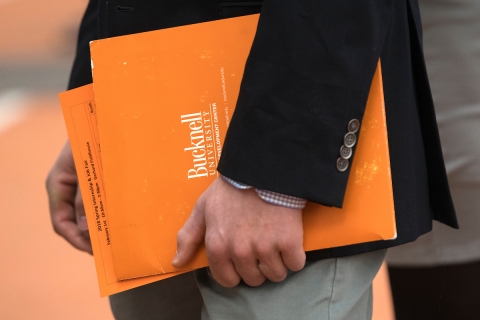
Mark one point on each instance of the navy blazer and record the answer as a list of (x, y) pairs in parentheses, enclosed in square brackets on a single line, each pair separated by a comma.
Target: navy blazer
[(308, 74)]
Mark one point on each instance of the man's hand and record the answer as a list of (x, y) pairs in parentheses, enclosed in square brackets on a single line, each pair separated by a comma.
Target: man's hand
[(66, 206), (245, 237)]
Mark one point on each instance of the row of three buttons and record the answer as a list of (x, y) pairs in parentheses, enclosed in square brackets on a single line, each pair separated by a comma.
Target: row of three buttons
[(349, 141)]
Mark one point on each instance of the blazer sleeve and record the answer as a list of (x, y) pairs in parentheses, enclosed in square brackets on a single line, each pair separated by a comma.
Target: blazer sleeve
[(307, 76)]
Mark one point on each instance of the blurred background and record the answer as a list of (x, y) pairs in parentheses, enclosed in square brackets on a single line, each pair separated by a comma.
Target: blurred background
[(41, 276)]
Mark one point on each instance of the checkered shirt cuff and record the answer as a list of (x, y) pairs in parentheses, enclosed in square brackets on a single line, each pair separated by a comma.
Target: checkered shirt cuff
[(272, 197)]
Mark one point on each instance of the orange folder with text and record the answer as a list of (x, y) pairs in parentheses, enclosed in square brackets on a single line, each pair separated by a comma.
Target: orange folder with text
[(164, 101), (79, 111)]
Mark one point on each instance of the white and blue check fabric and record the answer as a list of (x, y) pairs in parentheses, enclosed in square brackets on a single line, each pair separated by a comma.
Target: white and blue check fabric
[(272, 197)]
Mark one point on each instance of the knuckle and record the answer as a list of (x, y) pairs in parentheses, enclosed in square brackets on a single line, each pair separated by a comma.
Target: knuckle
[(215, 251), (275, 273), (223, 280), (180, 236), (297, 267), (255, 281), (264, 250), (285, 244), (56, 229), (188, 242), (281, 278), (183, 238), (186, 238), (277, 278), (229, 283), (297, 264), (278, 275), (241, 252), (56, 224)]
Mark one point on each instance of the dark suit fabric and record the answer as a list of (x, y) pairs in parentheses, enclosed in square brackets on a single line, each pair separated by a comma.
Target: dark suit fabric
[(308, 74), (89, 31)]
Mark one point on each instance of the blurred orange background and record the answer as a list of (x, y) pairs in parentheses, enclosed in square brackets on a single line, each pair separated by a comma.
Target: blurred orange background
[(41, 276)]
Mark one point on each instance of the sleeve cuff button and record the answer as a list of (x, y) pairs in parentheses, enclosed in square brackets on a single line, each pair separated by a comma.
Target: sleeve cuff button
[(342, 164), (353, 125), (345, 152), (350, 139)]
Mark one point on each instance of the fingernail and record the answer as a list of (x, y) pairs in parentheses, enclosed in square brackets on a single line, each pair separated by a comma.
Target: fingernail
[(82, 223), (175, 260)]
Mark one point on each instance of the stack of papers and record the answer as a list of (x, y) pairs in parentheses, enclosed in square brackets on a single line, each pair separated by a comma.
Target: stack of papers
[(148, 134)]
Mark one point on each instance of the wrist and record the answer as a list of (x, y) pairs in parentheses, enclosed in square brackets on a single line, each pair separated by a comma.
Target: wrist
[(271, 197)]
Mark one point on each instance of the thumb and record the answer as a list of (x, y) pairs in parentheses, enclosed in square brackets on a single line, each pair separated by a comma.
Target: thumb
[(191, 236)]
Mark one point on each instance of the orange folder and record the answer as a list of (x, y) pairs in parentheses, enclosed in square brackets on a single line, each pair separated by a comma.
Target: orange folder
[(164, 101), (134, 235), (79, 111)]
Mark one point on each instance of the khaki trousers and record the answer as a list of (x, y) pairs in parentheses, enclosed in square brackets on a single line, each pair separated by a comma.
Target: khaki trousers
[(331, 289)]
